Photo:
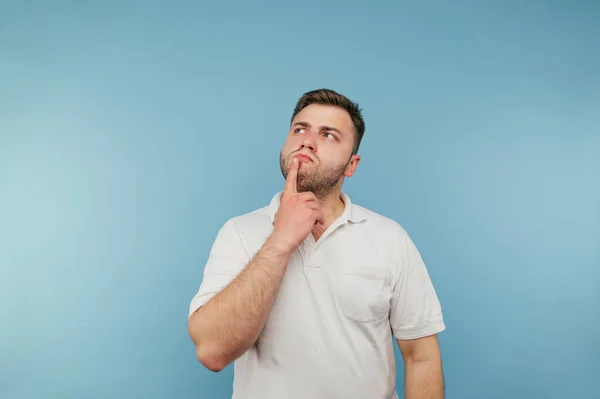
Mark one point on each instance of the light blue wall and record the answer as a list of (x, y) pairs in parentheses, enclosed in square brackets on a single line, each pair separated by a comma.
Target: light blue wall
[(130, 131)]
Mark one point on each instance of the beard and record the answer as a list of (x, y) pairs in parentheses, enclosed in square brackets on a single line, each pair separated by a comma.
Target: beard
[(320, 181)]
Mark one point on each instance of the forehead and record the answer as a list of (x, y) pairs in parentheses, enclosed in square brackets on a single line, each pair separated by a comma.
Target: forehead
[(319, 115)]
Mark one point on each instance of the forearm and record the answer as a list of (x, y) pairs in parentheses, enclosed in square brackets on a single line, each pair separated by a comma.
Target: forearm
[(424, 380), (230, 323)]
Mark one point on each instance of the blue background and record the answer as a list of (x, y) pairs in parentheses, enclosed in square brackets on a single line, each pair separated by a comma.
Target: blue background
[(131, 131)]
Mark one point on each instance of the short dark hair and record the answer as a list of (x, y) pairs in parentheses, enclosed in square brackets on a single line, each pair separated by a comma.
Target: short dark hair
[(330, 97)]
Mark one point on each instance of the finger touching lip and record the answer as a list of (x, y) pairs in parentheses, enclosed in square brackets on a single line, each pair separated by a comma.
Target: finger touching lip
[(304, 158)]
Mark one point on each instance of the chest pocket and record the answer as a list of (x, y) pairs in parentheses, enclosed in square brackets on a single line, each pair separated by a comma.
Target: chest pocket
[(364, 292)]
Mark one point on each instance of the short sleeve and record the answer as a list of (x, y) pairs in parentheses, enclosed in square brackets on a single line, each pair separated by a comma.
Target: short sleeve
[(226, 260), (416, 311)]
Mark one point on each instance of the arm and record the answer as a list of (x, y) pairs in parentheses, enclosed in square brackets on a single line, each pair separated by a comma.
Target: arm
[(416, 319), (423, 374), (230, 322)]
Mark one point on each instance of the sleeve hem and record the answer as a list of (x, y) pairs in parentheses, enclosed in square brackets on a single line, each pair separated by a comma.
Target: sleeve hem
[(197, 303), (419, 332)]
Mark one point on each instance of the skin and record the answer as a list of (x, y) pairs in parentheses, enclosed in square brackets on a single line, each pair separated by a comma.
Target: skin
[(315, 159), (423, 374), (325, 135)]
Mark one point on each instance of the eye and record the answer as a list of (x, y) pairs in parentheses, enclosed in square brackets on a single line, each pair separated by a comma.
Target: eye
[(329, 136), (300, 130)]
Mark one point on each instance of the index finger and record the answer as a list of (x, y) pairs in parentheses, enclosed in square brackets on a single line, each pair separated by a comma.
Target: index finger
[(292, 177)]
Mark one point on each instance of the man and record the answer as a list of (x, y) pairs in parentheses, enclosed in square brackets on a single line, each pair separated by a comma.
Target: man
[(306, 294)]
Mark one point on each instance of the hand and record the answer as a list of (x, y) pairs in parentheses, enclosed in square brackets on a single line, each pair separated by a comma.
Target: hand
[(297, 214)]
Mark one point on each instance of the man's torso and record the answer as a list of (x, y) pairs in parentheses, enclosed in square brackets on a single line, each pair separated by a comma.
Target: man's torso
[(328, 333)]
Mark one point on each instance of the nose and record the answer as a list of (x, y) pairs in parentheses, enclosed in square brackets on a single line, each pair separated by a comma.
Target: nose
[(309, 143)]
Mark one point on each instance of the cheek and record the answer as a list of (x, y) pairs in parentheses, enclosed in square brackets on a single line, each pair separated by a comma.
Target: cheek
[(333, 156), (288, 146)]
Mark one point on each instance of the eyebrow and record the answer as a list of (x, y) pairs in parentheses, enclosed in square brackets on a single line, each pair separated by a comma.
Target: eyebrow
[(306, 124)]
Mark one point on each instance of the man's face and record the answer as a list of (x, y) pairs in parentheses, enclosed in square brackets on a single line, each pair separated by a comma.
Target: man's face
[(322, 138)]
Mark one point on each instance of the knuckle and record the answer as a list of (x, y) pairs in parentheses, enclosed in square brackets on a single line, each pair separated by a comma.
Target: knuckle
[(309, 196)]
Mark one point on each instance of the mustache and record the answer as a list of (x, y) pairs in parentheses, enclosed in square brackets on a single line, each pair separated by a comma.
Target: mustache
[(313, 157)]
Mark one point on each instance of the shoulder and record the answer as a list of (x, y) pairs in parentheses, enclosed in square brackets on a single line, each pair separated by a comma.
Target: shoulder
[(249, 230), (258, 218), (251, 219), (382, 225), (386, 234)]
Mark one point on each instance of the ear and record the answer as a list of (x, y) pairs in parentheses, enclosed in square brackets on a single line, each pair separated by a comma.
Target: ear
[(352, 165)]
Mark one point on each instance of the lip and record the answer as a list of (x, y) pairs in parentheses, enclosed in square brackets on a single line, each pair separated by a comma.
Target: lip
[(304, 158)]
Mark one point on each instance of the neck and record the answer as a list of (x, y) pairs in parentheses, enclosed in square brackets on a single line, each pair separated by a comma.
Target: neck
[(332, 207)]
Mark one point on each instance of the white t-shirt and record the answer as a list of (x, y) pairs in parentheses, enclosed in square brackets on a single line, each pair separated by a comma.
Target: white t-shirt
[(343, 299)]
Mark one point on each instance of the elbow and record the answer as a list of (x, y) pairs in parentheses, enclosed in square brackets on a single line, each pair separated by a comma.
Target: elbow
[(205, 352), (209, 353), (211, 361)]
